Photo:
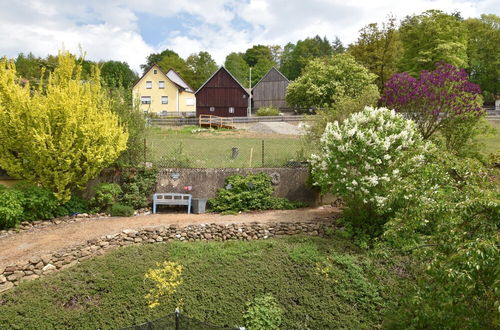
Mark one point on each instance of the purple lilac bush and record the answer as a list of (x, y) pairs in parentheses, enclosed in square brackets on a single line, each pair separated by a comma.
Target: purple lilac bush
[(434, 98)]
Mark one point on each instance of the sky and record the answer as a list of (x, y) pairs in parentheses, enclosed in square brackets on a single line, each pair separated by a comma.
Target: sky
[(131, 30)]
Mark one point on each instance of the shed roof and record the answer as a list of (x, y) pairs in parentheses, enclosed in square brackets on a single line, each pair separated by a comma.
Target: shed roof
[(223, 68), (273, 69)]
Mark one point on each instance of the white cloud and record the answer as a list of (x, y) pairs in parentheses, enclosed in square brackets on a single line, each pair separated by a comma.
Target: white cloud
[(110, 29)]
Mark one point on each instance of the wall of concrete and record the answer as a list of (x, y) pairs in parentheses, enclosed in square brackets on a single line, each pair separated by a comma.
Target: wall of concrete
[(290, 183)]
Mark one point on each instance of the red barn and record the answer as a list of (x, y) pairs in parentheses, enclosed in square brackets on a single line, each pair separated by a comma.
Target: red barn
[(222, 95)]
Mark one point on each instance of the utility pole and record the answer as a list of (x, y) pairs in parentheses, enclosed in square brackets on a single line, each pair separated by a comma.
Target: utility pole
[(249, 110)]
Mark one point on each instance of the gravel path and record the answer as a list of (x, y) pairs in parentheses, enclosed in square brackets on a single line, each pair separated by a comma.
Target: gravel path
[(276, 128), (39, 241)]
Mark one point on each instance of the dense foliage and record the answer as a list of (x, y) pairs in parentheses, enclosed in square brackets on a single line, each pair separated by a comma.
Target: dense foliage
[(218, 279), (364, 160), (59, 136), (324, 81), (437, 100), (120, 210), (263, 313), (267, 111), (250, 192), (105, 195), (25, 202)]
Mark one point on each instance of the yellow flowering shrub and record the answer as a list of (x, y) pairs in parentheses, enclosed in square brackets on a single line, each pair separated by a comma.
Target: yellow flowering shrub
[(166, 278), (60, 135)]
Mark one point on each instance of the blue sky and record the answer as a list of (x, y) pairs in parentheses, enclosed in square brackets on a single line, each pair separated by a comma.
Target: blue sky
[(130, 30)]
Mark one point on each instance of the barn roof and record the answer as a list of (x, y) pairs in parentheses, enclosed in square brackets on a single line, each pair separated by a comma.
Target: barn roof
[(223, 68), (268, 72)]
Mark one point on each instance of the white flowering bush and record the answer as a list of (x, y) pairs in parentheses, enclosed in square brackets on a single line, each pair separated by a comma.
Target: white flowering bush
[(365, 160)]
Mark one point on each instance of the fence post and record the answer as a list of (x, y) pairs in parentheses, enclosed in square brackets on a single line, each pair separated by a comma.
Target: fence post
[(262, 153), (177, 319)]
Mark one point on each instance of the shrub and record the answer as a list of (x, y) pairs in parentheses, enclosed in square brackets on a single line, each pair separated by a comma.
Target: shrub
[(76, 205), (263, 313), (251, 192), (268, 111), (39, 203), (166, 279), (137, 186), (105, 195), (120, 210), (11, 207), (365, 160)]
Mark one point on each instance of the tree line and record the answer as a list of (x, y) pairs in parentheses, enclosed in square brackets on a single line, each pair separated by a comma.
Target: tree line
[(411, 45)]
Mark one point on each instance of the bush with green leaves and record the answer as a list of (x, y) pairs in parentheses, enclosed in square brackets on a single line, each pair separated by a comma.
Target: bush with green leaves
[(366, 160), (120, 210), (267, 111), (137, 186), (263, 313), (11, 207), (76, 205), (251, 192), (105, 195), (39, 203)]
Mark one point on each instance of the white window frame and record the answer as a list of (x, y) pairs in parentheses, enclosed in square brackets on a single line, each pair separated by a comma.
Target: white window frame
[(146, 100), (149, 84), (161, 84), (164, 100), (231, 109), (212, 109), (190, 101)]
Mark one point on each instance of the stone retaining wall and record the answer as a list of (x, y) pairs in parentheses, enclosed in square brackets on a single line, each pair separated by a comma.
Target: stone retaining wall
[(36, 267)]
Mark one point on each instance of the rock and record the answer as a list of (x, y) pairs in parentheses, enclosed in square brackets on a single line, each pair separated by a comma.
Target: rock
[(3, 279), (29, 278), (137, 239), (130, 232), (6, 286), (82, 215), (49, 268), (10, 269), (46, 258), (159, 239), (103, 244)]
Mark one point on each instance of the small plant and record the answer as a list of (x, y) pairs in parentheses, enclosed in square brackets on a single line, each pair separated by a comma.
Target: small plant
[(263, 313), (11, 207), (267, 111), (106, 194), (137, 186), (39, 203), (120, 210), (76, 205), (251, 192), (166, 279)]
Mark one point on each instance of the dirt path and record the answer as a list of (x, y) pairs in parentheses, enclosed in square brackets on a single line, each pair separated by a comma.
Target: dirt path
[(39, 241)]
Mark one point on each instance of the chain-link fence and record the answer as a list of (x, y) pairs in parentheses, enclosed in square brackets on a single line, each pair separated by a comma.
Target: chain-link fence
[(177, 321), (216, 150)]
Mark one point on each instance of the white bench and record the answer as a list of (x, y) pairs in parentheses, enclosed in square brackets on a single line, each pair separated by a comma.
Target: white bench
[(171, 199)]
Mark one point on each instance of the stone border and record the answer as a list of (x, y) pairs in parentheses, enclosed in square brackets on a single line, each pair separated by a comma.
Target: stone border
[(36, 267), (29, 225)]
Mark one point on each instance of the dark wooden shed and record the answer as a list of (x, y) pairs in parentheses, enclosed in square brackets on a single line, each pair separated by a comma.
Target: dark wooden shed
[(270, 90), (222, 95)]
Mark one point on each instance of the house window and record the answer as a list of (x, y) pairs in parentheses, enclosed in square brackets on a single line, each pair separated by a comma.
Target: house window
[(161, 84), (164, 100), (212, 109), (149, 84), (190, 101), (146, 99), (155, 71), (231, 109)]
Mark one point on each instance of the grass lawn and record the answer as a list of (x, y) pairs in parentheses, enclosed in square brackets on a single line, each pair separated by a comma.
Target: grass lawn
[(213, 149), (491, 143), (322, 283)]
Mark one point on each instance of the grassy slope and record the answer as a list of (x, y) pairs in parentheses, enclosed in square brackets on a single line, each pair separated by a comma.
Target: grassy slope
[(491, 143), (214, 149), (107, 292)]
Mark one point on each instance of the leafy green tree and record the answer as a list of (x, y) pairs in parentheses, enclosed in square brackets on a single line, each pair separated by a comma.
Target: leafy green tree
[(115, 74), (61, 135), (202, 66), (155, 58), (432, 37), (295, 57), (483, 53), (338, 46), (257, 53), (236, 64), (378, 48), (325, 81)]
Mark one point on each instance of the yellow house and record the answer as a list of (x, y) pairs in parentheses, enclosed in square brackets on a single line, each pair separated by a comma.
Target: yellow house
[(164, 93)]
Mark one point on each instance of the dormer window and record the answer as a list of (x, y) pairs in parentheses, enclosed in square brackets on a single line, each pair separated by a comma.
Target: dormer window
[(155, 71), (149, 84)]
